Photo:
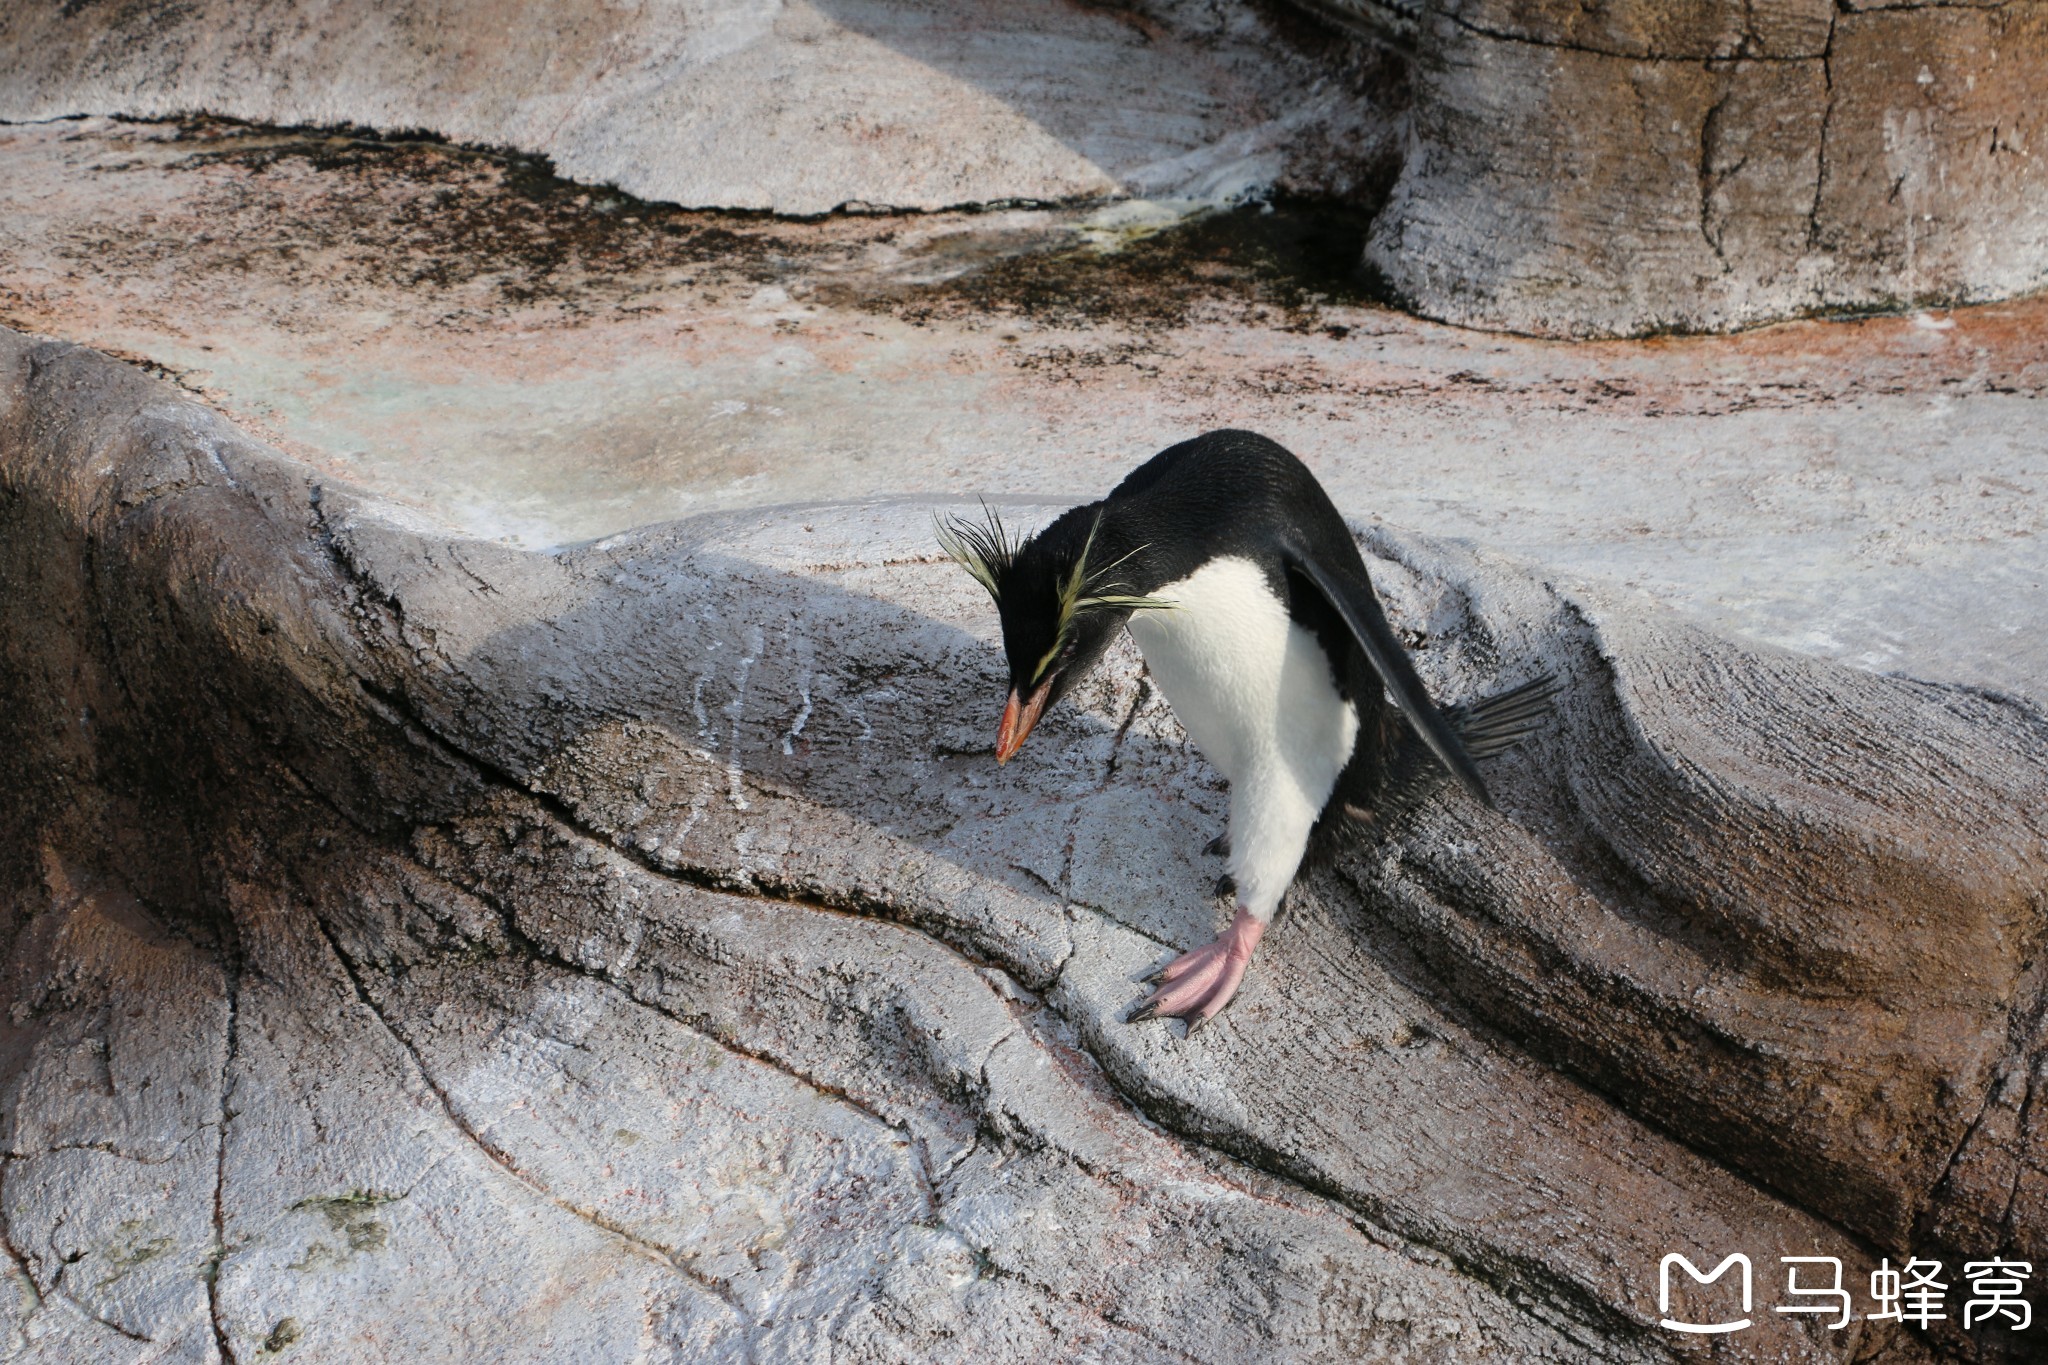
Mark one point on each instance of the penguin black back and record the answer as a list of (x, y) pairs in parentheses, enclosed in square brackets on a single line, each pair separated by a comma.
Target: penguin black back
[(1225, 493), (1236, 493), (1242, 586)]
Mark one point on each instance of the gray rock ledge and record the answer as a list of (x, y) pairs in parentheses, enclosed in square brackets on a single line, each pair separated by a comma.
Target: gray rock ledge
[(422, 949)]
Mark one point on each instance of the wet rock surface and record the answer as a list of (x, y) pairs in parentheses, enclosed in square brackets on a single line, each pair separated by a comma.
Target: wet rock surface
[(425, 947)]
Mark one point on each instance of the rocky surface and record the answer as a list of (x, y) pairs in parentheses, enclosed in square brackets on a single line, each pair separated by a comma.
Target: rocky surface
[(530, 360), (453, 910), (798, 108), (1612, 168), (425, 948), (1586, 170)]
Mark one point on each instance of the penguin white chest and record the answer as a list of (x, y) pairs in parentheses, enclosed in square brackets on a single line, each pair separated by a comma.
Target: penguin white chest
[(1253, 688)]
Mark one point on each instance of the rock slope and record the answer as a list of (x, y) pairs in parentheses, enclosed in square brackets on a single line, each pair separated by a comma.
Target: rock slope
[(424, 948)]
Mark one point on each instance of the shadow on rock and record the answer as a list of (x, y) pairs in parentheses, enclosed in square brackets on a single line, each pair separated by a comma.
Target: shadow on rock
[(1782, 912)]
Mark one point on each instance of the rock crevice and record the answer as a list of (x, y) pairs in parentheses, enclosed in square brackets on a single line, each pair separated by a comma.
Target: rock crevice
[(497, 866)]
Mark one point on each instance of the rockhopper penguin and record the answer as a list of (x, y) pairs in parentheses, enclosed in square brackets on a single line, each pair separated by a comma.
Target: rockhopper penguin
[(1245, 592)]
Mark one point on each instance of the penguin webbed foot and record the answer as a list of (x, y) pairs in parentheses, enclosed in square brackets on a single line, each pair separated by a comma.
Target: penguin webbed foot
[(1197, 985)]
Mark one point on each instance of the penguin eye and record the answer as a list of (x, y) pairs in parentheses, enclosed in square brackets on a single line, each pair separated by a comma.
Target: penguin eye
[(1056, 658)]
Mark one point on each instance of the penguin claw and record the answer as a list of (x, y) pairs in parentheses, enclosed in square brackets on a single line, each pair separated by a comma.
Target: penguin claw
[(1226, 885), (1218, 847), (1197, 985)]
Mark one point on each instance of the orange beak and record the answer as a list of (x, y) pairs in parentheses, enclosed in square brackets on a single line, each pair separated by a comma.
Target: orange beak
[(1018, 718)]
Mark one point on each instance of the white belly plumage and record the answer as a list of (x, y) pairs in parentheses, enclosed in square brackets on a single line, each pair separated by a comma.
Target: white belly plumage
[(1256, 694)]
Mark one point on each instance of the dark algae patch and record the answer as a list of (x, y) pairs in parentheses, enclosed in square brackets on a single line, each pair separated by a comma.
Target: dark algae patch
[(1290, 253), (422, 214), (497, 230), (284, 1333), (354, 1217)]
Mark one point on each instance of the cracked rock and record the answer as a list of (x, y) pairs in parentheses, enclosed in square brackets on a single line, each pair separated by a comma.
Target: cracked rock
[(423, 948), (1635, 167)]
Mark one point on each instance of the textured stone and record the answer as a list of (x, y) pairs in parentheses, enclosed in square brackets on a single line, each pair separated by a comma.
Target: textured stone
[(516, 362), (1687, 186), (629, 952), (798, 108), (1638, 168), (1612, 168), (1931, 186)]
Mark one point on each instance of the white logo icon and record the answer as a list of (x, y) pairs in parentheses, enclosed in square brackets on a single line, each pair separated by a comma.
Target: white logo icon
[(1664, 1292)]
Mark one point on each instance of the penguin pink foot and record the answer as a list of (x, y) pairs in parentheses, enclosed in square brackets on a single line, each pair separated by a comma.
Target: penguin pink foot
[(1196, 985)]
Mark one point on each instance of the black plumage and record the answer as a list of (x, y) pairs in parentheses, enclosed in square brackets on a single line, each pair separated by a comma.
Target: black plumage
[(1210, 552)]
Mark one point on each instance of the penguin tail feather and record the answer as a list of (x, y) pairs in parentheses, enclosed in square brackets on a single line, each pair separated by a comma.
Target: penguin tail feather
[(1487, 727), (1496, 724)]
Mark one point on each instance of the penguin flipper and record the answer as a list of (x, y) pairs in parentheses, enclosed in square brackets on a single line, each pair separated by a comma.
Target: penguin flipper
[(1351, 596)]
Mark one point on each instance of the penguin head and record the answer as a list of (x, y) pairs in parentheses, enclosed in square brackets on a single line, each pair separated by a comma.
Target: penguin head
[(1062, 597)]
